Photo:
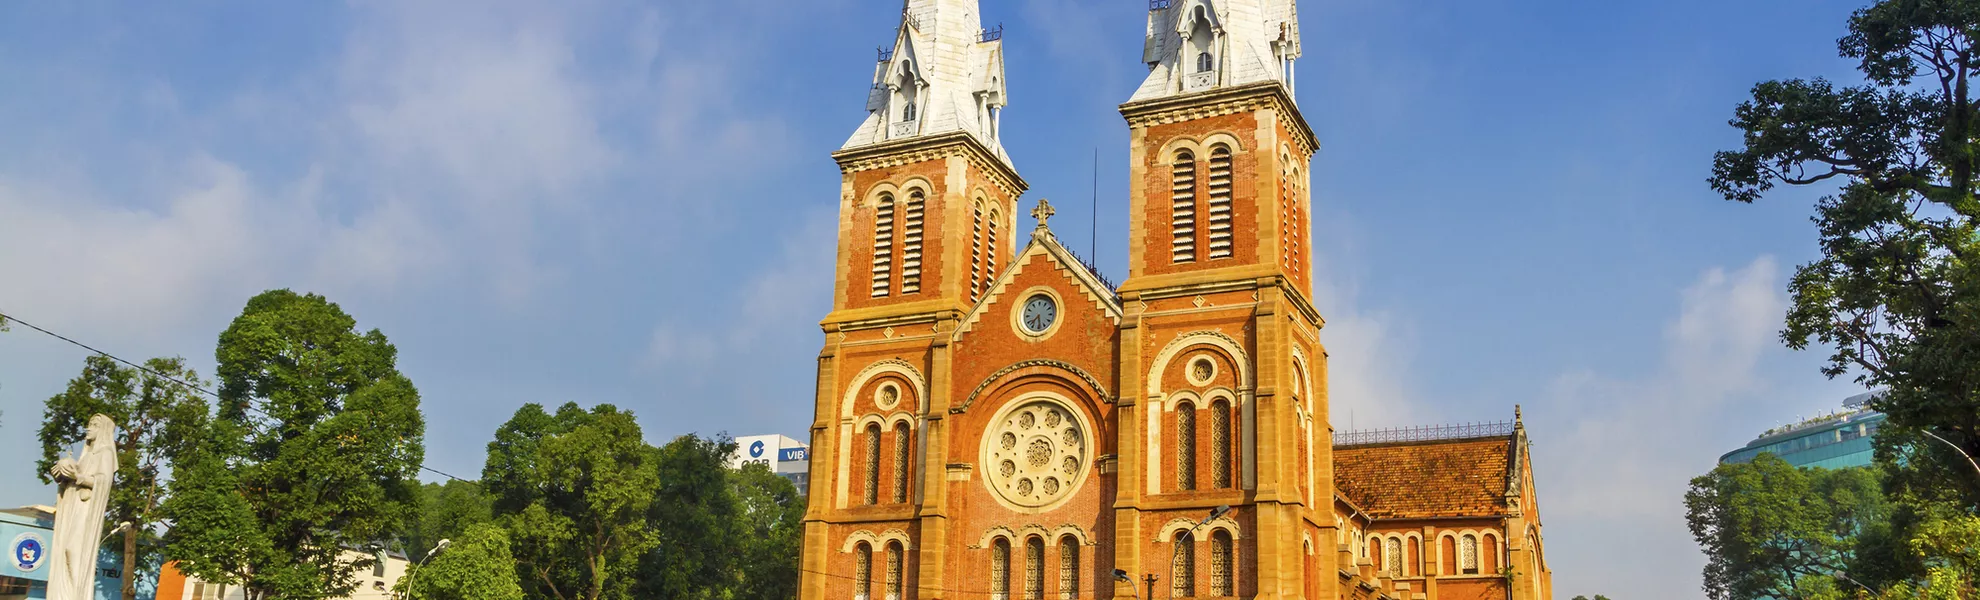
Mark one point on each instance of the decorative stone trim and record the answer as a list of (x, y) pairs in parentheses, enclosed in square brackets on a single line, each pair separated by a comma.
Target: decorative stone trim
[(1245, 98), (1104, 397)]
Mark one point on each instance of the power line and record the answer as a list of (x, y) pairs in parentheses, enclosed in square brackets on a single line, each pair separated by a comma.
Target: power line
[(7, 318)]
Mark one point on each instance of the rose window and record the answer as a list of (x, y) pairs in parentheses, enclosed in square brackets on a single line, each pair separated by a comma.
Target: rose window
[(1037, 449)]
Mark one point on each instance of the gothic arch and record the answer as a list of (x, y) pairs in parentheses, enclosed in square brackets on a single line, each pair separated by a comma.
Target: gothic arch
[(1093, 385), (892, 365), (1166, 534), (876, 541), (1229, 345)]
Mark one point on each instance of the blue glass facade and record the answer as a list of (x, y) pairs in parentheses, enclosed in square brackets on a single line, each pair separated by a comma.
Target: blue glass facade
[(1830, 442)]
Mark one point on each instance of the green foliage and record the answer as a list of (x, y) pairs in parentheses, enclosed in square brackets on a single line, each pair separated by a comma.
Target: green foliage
[(446, 511), (1896, 292), (576, 490), (156, 420), (477, 564), (1771, 530), (773, 529), (314, 449), (702, 531)]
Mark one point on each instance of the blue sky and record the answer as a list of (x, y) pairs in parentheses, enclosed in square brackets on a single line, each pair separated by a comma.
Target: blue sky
[(632, 202)]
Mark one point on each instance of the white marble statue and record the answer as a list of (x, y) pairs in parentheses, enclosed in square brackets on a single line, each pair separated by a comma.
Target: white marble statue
[(85, 495)]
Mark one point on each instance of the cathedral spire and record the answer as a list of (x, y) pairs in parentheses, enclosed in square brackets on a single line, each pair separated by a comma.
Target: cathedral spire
[(1198, 45), (942, 74)]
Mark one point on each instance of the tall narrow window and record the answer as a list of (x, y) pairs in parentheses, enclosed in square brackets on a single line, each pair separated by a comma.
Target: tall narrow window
[(1374, 552), (1034, 568), (911, 245), (1068, 568), (1221, 565), (1490, 564), (1220, 444), (873, 464), (901, 447), (991, 249), (1468, 554), (894, 574), (1394, 559), (1182, 578), (1186, 447), (1182, 208), (883, 246), (976, 252), (1447, 556), (1000, 570), (863, 572), (1413, 564), (1220, 202), (1204, 62)]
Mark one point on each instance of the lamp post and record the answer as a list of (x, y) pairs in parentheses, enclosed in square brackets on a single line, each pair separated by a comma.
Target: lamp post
[(1955, 447), (1122, 576), (1175, 549), (422, 562)]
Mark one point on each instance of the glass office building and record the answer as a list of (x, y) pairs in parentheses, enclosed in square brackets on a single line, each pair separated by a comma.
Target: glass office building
[(1830, 441)]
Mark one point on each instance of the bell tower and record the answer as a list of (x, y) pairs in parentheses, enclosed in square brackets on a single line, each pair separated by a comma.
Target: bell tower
[(1224, 349)]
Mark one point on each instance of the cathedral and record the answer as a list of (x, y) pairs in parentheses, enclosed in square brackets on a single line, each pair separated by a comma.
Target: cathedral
[(996, 421)]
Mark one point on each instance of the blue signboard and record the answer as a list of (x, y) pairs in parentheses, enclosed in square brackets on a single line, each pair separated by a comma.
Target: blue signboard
[(793, 454)]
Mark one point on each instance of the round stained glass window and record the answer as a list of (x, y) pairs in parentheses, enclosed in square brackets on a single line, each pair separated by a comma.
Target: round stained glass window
[(1039, 447)]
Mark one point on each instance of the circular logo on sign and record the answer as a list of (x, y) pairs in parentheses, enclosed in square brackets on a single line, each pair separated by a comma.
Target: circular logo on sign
[(28, 551), (756, 449)]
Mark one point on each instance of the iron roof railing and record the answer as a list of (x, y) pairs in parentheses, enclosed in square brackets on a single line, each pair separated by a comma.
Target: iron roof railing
[(1428, 433)]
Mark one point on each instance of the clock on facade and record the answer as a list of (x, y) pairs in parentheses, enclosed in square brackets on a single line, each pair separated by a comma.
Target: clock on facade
[(1039, 314)]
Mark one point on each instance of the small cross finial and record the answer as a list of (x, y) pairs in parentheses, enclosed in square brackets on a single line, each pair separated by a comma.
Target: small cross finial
[(1042, 212)]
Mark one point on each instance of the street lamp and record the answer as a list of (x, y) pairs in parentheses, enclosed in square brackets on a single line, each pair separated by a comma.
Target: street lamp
[(1955, 447), (1122, 576), (422, 562), (1175, 550)]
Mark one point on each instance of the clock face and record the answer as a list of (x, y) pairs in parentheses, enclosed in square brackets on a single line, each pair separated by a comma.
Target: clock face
[(1039, 313)]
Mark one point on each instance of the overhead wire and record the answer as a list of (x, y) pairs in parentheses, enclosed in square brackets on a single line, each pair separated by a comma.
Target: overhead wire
[(9, 318)]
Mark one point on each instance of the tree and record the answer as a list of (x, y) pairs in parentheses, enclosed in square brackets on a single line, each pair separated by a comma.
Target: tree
[(1896, 292), (446, 511), (702, 542), (575, 490), (1772, 530), (313, 452), (772, 531), (476, 565), (157, 418)]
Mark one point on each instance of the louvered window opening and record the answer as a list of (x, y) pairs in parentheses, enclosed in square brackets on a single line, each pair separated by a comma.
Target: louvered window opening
[(911, 245), (1000, 570), (976, 253), (1034, 569), (1186, 447), (1182, 581), (1068, 568), (1220, 564), (1220, 203), (990, 250), (883, 247), (863, 573), (873, 464), (901, 447), (1220, 444), (1182, 209), (894, 559)]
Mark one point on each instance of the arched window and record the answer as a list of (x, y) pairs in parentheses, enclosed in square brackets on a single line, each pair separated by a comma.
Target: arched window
[(1374, 552), (907, 112), (1034, 568), (911, 245), (1204, 62), (1221, 564), (1490, 563), (1220, 202), (1447, 556), (907, 90), (1182, 208), (1220, 444), (873, 463), (1468, 554), (863, 572), (1068, 568), (883, 246), (1186, 447), (976, 251), (991, 249), (1412, 564), (901, 447), (1393, 561), (1000, 569), (1182, 577), (894, 568)]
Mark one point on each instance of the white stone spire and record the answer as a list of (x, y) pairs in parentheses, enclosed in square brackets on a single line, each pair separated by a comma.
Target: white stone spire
[(944, 74), (1199, 45)]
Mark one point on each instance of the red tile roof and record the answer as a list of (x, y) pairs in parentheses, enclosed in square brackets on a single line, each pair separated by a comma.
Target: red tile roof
[(1444, 478)]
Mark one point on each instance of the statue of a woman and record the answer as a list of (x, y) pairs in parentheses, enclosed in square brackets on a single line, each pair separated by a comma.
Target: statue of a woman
[(85, 494)]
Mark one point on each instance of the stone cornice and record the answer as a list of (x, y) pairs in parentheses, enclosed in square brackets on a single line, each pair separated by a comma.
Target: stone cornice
[(895, 153), (1223, 101)]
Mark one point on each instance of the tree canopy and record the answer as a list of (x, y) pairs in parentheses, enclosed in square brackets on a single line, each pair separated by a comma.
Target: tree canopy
[(314, 450), (772, 519), (446, 512), (576, 490), (475, 564)]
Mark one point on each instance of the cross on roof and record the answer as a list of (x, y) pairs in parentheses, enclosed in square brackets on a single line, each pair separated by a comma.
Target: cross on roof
[(1043, 212)]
